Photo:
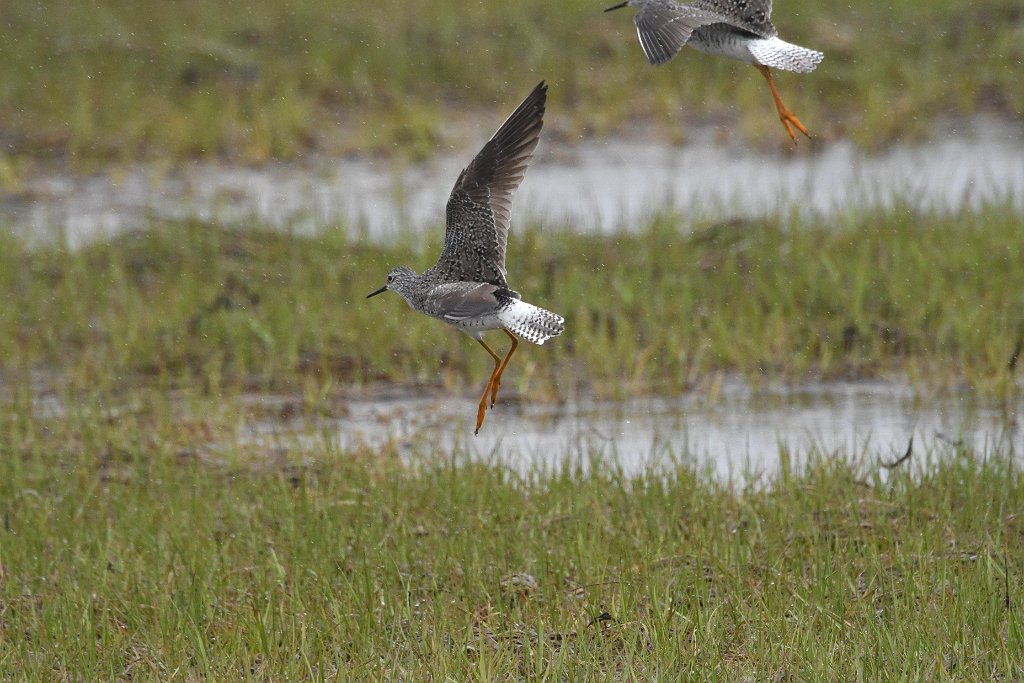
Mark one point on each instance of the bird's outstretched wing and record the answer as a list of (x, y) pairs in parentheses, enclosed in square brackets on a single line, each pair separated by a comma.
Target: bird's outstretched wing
[(664, 27), (480, 206)]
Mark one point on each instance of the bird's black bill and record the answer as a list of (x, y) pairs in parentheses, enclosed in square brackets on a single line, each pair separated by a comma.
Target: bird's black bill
[(379, 291), (618, 6)]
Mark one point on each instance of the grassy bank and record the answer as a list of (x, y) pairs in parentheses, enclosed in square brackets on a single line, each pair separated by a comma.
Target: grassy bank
[(934, 299), (118, 81), (156, 544)]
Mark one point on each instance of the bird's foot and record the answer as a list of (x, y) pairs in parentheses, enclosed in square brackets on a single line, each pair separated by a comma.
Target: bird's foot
[(481, 411), (789, 120)]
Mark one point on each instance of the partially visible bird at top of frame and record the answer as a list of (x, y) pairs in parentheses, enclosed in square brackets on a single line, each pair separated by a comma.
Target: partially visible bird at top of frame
[(467, 287), (740, 29)]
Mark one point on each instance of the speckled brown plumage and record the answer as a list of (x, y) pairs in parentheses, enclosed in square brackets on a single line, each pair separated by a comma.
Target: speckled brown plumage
[(467, 288), (480, 205)]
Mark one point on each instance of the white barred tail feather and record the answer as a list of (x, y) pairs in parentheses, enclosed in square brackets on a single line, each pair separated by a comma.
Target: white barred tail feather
[(779, 54), (532, 323)]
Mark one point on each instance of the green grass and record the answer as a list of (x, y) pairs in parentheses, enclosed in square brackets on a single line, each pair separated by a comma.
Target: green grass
[(930, 299), (119, 81), (145, 535), (154, 543)]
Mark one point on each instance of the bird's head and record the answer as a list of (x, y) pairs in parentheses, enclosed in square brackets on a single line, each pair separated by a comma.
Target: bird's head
[(399, 280)]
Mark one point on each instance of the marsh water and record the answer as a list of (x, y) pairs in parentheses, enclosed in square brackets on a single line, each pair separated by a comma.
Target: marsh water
[(596, 185), (739, 433)]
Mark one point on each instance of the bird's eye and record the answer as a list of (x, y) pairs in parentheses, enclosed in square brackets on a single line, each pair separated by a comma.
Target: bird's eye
[(391, 278)]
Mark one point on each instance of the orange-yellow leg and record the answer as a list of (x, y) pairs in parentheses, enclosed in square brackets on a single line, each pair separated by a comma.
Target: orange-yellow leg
[(482, 408), (785, 115), (496, 382)]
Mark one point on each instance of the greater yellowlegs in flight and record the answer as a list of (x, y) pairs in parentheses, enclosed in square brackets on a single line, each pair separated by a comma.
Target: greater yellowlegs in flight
[(467, 287), (740, 29)]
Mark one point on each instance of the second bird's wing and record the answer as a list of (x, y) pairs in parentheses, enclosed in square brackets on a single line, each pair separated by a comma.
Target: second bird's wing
[(664, 27)]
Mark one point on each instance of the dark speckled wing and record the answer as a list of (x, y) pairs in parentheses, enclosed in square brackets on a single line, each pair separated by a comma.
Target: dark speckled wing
[(754, 16), (480, 205), (664, 27)]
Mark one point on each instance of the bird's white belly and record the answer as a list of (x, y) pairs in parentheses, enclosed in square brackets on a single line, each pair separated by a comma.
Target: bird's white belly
[(475, 327), (723, 45)]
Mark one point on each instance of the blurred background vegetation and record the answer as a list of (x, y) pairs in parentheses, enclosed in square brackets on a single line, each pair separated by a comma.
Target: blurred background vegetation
[(153, 530), (117, 80), (96, 84), (655, 312)]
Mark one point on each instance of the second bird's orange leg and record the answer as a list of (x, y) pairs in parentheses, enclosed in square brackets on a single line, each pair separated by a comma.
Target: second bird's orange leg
[(785, 115), (482, 408), (496, 381)]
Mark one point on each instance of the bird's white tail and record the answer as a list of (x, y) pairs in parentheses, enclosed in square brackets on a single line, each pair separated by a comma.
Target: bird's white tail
[(530, 322), (779, 54)]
